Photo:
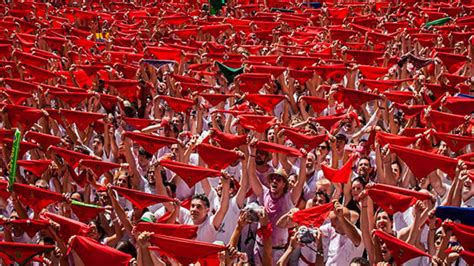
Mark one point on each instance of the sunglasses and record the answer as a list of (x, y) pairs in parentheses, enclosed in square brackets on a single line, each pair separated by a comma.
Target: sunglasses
[(322, 147)]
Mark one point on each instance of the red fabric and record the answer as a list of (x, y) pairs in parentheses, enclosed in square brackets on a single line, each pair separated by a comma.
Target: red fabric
[(334, 72), (410, 110), (464, 234), (385, 138), (278, 148), (407, 192), (215, 99), (422, 163), (328, 121), (73, 99), (341, 175), (381, 85), (297, 61), (17, 97), (400, 250), (138, 123), (81, 119), (318, 104), (178, 104), (71, 157), (98, 167), (39, 74), (391, 202), (140, 199), (304, 141), (301, 75), (357, 98), (37, 167), (275, 71), (459, 106), (176, 230), (266, 101), (21, 252), (215, 157), (92, 252), (151, 143), (23, 116), (258, 123), (36, 198), (108, 101), (194, 250), (127, 88), (228, 141), (454, 142), (44, 140), (165, 53), (313, 216), (187, 87), (400, 97), (24, 146), (453, 62), (189, 173), (20, 85), (31, 227), (253, 81), (445, 122), (372, 72), (86, 213), (364, 57)]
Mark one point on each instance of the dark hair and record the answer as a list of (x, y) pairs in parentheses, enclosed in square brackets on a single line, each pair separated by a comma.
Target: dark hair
[(126, 247), (361, 180), (100, 138), (142, 151), (379, 210), (360, 261), (171, 185), (365, 158), (323, 194), (203, 198)]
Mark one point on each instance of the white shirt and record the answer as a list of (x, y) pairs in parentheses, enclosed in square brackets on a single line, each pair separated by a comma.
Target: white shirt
[(340, 249), (229, 223), (206, 231)]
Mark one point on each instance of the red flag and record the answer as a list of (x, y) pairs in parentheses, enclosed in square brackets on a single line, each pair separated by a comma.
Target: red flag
[(278, 148), (21, 252), (44, 140), (138, 123), (81, 119), (178, 104), (36, 198), (85, 212), (372, 72), (318, 104), (176, 230), (391, 202), (454, 142), (445, 122), (98, 167), (71, 157), (215, 99), (31, 227), (267, 102), (37, 167), (228, 141), (22, 115), (304, 141), (258, 123), (459, 106), (386, 138), (399, 97)]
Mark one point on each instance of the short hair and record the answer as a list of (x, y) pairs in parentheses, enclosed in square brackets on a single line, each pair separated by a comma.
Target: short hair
[(143, 152), (323, 194), (100, 138), (126, 247), (380, 210), (202, 197), (359, 261)]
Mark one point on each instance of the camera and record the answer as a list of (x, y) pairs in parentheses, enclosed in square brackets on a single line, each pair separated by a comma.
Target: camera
[(306, 235), (252, 210)]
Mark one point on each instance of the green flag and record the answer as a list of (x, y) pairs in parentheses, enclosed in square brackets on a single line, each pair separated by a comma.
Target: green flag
[(14, 159), (230, 73), (438, 22)]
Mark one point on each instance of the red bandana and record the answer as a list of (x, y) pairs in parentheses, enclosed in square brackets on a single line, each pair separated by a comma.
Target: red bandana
[(341, 175), (313, 216), (140, 199), (215, 157), (189, 173)]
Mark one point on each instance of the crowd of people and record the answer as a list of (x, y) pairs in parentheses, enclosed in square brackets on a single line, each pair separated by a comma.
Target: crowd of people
[(239, 132)]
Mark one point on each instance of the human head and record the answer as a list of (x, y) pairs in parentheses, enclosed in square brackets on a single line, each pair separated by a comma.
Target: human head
[(358, 185), (144, 158), (335, 223), (364, 168), (359, 261), (98, 145), (122, 179), (262, 157), (199, 208), (383, 221), (320, 198), (278, 182)]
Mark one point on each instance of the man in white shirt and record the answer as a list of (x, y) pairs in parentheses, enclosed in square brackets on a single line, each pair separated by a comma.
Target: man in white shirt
[(343, 239)]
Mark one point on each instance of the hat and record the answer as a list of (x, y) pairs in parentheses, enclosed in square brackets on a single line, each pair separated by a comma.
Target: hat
[(280, 172), (148, 217)]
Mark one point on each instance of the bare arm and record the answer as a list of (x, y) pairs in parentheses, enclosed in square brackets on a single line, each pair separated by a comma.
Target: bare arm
[(220, 214)]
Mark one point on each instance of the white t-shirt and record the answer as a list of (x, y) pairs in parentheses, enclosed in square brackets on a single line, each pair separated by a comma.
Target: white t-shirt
[(340, 249), (229, 223), (206, 231), (182, 217)]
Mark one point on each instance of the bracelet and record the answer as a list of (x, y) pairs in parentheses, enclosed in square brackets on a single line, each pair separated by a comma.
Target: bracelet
[(251, 155)]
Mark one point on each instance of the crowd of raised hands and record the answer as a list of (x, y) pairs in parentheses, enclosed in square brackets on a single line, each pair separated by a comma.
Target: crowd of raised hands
[(239, 132)]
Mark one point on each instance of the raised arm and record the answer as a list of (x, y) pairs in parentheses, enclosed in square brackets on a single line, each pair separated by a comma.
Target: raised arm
[(255, 183), (221, 212), (349, 228), (296, 191)]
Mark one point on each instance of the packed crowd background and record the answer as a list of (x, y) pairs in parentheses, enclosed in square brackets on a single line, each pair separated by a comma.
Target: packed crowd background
[(240, 132)]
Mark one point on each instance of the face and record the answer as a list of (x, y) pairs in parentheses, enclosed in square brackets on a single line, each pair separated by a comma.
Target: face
[(292, 181), (363, 168), (97, 145), (443, 148), (322, 150), (41, 184), (150, 176), (356, 190), (385, 254), (198, 211), (335, 223), (310, 162), (93, 233), (143, 161), (396, 170), (260, 157), (319, 200), (122, 181), (277, 184), (270, 134), (340, 143), (383, 222), (76, 197)]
